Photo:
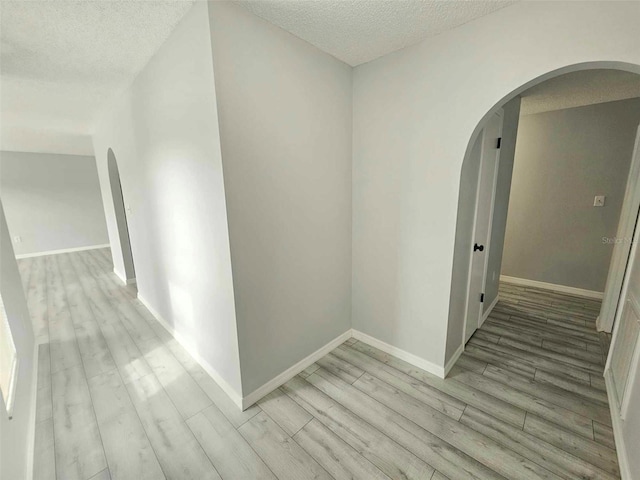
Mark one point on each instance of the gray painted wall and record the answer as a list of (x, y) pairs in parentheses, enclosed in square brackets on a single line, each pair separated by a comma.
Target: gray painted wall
[(52, 201), (16, 435), (563, 159), (501, 202), (285, 130)]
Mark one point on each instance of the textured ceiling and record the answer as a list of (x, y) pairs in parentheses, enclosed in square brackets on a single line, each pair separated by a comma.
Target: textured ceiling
[(61, 60), (358, 31), (580, 88)]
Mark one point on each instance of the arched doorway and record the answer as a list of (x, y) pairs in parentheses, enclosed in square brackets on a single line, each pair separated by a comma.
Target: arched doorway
[(121, 218), (463, 255)]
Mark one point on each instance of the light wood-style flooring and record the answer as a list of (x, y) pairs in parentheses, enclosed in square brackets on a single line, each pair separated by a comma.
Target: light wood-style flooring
[(118, 397)]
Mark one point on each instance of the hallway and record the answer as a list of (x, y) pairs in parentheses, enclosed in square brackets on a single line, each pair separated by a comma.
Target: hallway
[(119, 398)]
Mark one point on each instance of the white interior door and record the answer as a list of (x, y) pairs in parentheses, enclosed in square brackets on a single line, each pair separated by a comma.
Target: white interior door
[(489, 159), (612, 291), (624, 353)]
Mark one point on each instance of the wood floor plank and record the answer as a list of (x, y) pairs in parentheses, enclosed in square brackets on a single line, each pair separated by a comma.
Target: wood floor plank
[(439, 476), (525, 400), (285, 412), (542, 329), (603, 434), (282, 455), (535, 449), (588, 450), (471, 363), (577, 388), (450, 387), (535, 335), (184, 391), (103, 475), (25, 266), (129, 360), (94, 351), (334, 455), (311, 368), (597, 382), (177, 450), (341, 369), (500, 360), (487, 336), (127, 448), (44, 407), (63, 346), (123, 350), (447, 404), (430, 448), (476, 445), (44, 458), (532, 359), (37, 299), (229, 452), (230, 410), (78, 447), (552, 394), (590, 366), (530, 403), (581, 353), (391, 458)]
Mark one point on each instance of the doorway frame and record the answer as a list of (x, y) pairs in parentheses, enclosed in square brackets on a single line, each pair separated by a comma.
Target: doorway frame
[(599, 65), (494, 187), (128, 277)]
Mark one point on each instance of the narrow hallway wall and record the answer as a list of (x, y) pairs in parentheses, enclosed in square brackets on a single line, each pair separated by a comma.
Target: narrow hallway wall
[(164, 133), (285, 127)]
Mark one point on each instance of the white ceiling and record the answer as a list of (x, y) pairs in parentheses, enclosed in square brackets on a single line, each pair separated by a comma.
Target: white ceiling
[(358, 31), (579, 89), (62, 60)]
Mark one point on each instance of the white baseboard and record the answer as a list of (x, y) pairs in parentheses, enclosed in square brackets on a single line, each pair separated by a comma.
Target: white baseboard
[(552, 286), (121, 277), (486, 314), (402, 354), (230, 391), (63, 250), (452, 361), (294, 370), (623, 460)]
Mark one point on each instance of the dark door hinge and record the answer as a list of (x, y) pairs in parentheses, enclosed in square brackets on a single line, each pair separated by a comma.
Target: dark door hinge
[(499, 143), (482, 298)]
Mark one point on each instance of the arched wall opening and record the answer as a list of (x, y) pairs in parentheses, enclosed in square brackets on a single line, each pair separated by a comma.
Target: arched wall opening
[(510, 103), (121, 218)]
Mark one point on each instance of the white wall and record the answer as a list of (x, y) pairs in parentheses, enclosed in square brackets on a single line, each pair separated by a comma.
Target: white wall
[(414, 114), (164, 133), (16, 435), (52, 201), (563, 159), (285, 126)]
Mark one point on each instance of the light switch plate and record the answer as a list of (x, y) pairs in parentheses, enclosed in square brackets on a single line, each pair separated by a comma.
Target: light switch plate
[(599, 201)]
